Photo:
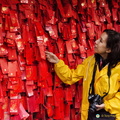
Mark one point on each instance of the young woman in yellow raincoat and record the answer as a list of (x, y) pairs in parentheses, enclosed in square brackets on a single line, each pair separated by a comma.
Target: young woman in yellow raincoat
[(106, 76)]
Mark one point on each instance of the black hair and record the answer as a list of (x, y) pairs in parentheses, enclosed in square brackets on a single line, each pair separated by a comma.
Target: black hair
[(113, 42)]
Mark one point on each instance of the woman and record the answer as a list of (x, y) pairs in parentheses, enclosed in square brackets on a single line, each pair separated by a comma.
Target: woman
[(102, 80)]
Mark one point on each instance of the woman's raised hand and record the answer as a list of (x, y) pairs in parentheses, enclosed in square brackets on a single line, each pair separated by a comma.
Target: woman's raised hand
[(51, 57)]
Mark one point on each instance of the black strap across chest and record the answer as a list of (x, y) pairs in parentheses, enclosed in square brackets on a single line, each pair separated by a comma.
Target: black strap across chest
[(91, 89)]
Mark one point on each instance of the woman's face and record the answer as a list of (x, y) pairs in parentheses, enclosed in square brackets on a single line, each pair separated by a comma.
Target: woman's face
[(100, 46)]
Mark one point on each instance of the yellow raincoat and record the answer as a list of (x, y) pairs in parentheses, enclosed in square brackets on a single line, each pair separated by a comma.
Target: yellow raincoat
[(101, 85)]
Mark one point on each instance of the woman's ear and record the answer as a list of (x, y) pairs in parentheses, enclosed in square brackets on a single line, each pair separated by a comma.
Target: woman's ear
[(108, 50)]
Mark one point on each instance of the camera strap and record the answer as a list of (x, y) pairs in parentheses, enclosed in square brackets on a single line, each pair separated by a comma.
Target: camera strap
[(91, 89)]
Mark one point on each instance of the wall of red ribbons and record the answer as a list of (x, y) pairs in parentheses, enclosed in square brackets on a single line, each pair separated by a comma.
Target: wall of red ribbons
[(29, 87)]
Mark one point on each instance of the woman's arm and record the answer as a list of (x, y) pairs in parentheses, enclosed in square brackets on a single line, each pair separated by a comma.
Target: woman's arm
[(113, 105), (67, 75)]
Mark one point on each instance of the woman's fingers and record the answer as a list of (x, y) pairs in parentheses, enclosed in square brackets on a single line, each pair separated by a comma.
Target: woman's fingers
[(51, 57), (101, 106), (48, 53)]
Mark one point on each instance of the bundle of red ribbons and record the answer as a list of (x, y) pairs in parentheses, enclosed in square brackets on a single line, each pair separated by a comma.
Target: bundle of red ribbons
[(29, 87)]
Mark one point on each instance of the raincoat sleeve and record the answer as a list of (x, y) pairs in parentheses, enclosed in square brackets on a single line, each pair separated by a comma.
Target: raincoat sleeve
[(67, 75), (113, 105)]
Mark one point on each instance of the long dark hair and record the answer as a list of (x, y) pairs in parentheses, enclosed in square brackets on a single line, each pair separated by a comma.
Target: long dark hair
[(113, 42)]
